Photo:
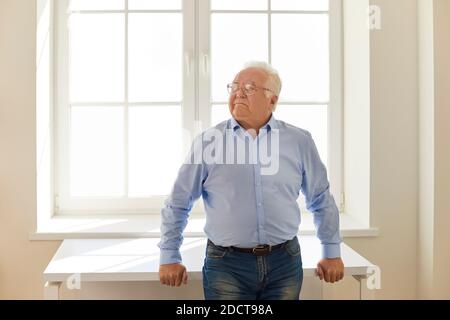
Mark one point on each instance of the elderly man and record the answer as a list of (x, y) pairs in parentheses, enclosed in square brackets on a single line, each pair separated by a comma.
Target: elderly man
[(252, 218)]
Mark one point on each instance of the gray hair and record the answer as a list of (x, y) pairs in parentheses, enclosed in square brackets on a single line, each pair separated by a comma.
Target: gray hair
[(273, 81)]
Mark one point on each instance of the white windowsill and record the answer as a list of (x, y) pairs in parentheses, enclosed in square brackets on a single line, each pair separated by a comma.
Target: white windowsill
[(147, 226)]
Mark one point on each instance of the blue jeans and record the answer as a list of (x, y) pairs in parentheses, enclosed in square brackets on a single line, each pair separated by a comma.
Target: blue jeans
[(230, 274)]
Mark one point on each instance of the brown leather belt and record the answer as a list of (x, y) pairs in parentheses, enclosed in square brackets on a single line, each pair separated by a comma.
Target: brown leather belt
[(259, 250)]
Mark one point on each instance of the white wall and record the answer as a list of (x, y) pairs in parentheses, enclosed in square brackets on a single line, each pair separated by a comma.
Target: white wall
[(393, 158), (426, 149), (380, 143), (21, 261), (442, 148), (434, 150)]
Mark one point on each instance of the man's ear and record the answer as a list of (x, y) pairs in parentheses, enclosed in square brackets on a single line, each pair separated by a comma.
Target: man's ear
[(273, 102)]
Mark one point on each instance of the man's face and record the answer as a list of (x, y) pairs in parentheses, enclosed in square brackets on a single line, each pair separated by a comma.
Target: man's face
[(255, 108)]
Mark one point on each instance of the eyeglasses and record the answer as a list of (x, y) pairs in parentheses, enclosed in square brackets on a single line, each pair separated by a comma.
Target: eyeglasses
[(248, 88)]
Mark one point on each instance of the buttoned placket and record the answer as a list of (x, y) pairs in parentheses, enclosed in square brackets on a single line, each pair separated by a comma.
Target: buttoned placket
[(254, 160)]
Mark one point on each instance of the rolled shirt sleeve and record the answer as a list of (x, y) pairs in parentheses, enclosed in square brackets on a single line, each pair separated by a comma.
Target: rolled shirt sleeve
[(319, 201)]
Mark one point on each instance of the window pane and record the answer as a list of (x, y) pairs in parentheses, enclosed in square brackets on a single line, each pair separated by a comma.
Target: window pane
[(238, 5), (97, 4), (311, 118), (154, 149), (155, 42), (96, 57), (321, 5), (301, 57), (154, 4), (96, 151), (219, 113), (231, 47)]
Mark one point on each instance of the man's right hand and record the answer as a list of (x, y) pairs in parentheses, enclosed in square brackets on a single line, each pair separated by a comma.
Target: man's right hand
[(173, 274)]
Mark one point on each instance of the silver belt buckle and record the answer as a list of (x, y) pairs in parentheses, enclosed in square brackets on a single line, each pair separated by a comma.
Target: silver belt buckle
[(261, 246)]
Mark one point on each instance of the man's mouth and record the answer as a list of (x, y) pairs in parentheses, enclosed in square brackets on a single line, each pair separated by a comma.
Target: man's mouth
[(243, 103)]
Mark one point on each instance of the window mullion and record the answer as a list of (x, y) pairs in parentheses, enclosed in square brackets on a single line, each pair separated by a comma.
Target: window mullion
[(204, 63), (335, 124), (269, 31), (125, 118), (189, 74)]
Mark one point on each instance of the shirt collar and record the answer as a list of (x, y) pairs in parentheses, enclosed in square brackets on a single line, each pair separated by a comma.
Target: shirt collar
[(271, 124)]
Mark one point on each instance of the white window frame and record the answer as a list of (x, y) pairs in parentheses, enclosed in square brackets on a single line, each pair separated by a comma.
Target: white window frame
[(195, 105)]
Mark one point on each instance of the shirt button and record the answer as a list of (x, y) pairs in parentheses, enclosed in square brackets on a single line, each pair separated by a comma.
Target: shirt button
[(259, 204), (258, 184)]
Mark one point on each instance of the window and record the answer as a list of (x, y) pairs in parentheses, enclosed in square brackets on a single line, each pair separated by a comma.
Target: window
[(136, 79)]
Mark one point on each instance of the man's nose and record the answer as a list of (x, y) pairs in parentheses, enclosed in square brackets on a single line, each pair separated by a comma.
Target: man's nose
[(240, 93)]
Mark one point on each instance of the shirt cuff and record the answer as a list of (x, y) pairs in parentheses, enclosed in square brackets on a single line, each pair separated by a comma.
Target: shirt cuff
[(169, 256), (330, 251)]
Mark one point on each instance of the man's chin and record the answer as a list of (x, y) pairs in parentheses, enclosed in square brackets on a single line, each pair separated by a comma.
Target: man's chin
[(240, 115), (240, 112)]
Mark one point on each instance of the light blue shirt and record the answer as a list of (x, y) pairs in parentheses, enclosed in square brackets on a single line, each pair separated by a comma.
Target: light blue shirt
[(245, 207)]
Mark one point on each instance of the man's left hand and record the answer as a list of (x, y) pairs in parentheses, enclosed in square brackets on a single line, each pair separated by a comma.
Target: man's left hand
[(332, 270)]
